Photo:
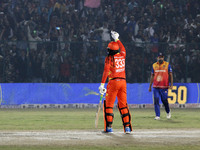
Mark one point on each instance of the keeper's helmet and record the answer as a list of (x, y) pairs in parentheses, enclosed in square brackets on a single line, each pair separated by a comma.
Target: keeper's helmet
[(113, 46)]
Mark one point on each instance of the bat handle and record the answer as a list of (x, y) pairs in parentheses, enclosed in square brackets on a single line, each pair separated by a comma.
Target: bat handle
[(101, 97)]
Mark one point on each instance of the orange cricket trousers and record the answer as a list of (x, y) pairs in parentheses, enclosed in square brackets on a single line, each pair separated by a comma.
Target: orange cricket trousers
[(116, 88)]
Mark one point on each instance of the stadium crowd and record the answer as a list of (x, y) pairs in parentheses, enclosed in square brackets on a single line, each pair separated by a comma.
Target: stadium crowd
[(65, 41)]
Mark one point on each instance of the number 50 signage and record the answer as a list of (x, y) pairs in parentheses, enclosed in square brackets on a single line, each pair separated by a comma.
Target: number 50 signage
[(177, 94)]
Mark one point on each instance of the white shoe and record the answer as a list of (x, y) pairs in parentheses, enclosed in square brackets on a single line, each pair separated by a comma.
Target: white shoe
[(157, 118), (169, 115)]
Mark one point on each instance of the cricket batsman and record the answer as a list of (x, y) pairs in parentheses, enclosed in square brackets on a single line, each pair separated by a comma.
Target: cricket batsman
[(161, 71), (114, 70)]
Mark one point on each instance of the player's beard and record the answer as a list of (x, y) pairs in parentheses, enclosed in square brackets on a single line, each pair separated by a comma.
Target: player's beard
[(160, 61)]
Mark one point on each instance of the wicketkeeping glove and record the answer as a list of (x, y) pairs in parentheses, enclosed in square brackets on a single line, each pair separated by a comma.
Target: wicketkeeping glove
[(102, 90), (115, 35)]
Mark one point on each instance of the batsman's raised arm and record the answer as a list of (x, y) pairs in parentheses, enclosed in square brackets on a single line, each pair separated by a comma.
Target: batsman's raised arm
[(115, 36), (122, 48)]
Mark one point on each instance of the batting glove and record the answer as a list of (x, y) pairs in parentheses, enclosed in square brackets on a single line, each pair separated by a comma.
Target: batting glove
[(102, 90), (115, 35)]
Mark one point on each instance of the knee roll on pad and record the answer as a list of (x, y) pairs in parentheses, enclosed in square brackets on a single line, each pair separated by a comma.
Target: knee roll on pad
[(123, 115)]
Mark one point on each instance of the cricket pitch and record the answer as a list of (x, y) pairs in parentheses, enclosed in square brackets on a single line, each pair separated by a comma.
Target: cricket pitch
[(96, 137)]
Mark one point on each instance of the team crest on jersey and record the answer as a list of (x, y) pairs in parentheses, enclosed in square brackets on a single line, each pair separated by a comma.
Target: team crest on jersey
[(163, 66), (159, 78)]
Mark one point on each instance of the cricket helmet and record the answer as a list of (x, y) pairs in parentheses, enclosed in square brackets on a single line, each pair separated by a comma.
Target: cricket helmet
[(113, 46)]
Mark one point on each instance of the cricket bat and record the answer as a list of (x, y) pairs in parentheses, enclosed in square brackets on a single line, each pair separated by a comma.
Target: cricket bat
[(98, 111)]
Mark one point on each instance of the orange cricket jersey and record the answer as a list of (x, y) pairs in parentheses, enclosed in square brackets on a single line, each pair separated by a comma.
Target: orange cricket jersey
[(161, 74), (116, 69)]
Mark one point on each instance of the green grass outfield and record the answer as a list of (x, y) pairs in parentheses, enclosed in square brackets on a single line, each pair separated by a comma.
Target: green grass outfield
[(83, 119)]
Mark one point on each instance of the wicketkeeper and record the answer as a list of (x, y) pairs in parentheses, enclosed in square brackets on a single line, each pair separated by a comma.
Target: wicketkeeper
[(114, 70)]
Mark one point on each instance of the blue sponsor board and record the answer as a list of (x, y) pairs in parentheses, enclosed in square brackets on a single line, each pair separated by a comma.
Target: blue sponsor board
[(64, 93), (183, 93)]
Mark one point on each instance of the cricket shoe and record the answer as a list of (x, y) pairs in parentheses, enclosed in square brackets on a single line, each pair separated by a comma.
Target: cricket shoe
[(169, 115), (108, 130), (127, 130), (157, 118)]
